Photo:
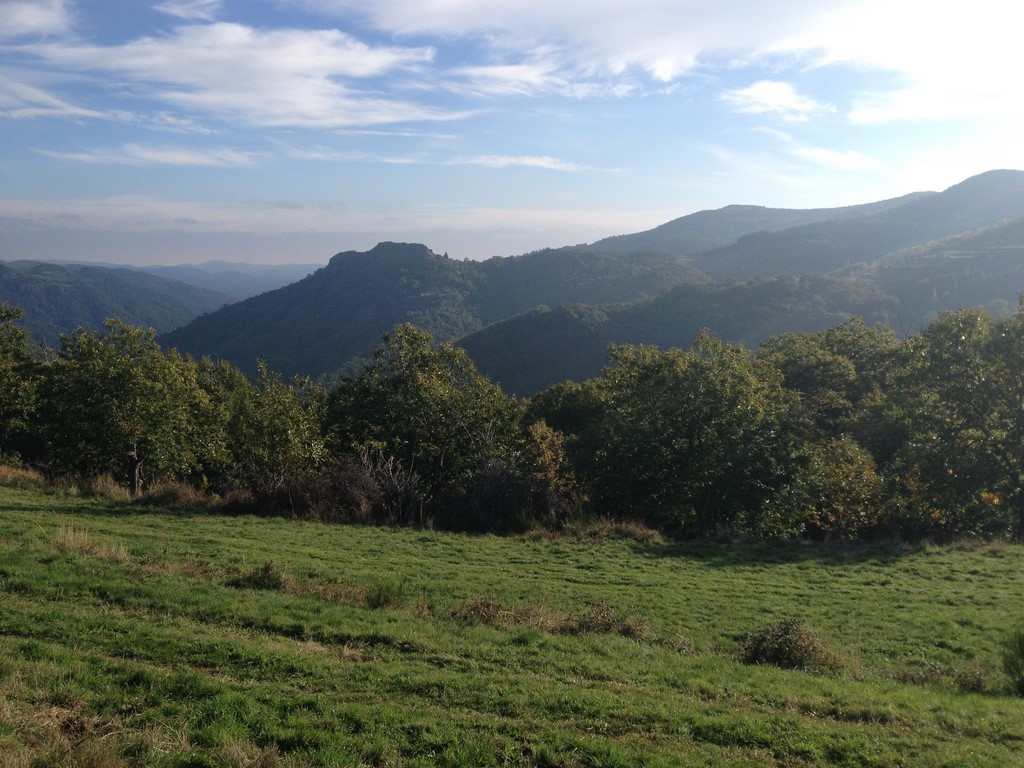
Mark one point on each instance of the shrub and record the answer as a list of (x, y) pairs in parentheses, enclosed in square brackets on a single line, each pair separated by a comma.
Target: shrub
[(483, 610), (385, 594), (105, 486), (605, 619), (265, 576), (18, 477), (789, 644), (172, 494), (1013, 660)]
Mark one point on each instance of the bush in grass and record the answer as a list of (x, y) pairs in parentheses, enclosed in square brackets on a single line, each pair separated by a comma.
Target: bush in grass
[(385, 594), (172, 494), (265, 576), (1013, 660), (789, 644), (605, 619), (20, 477), (105, 486)]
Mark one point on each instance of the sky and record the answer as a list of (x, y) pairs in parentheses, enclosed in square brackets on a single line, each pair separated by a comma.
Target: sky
[(277, 131)]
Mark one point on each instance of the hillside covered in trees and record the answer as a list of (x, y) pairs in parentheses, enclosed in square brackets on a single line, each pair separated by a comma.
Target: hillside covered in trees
[(849, 432), (61, 297), (743, 272)]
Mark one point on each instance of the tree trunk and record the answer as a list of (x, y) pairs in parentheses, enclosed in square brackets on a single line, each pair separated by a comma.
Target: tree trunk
[(134, 473)]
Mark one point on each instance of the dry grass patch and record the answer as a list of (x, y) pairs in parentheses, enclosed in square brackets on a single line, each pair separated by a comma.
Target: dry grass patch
[(72, 539), (18, 477)]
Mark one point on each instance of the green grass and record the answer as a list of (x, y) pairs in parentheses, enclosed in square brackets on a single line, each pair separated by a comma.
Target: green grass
[(133, 636)]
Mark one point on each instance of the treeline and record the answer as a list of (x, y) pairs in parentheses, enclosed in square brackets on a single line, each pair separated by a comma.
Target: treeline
[(847, 433)]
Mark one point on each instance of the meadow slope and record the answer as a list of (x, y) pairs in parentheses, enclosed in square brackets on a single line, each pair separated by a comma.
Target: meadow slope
[(132, 635)]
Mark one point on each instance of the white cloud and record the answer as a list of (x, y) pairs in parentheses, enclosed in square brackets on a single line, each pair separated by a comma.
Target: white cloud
[(774, 97), (192, 10), (136, 154), (527, 161), (508, 79), (941, 60), (22, 100), (664, 38), (283, 77), (33, 17), (847, 160)]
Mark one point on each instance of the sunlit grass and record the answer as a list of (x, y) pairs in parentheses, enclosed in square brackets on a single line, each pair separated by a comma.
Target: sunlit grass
[(131, 636)]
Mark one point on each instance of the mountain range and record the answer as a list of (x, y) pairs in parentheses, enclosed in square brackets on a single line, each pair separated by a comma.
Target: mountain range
[(59, 297), (742, 272)]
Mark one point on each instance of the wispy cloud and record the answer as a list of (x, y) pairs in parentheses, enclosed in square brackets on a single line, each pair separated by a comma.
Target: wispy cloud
[(775, 97), (32, 17), (846, 160), (191, 10), (136, 154), (526, 161), (285, 77), (22, 100)]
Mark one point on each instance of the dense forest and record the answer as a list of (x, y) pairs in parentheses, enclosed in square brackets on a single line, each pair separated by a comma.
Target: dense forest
[(846, 433)]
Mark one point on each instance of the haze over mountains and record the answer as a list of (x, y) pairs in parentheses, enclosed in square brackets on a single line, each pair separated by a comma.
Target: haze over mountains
[(61, 296), (742, 272)]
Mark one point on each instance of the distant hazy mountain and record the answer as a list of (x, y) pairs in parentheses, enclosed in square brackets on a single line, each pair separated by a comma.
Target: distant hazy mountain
[(234, 280), (826, 246), (905, 288), (708, 230), (535, 319), (57, 298), (336, 315)]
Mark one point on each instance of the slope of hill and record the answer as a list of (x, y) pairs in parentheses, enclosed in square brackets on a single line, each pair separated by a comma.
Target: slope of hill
[(236, 281), (823, 247), (57, 298), (708, 230), (530, 352), (333, 317), (329, 320)]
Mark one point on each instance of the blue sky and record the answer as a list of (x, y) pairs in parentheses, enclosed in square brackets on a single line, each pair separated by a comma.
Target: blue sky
[(279, 131)]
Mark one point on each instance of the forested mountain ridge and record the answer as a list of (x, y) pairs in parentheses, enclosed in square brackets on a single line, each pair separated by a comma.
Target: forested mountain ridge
[(331, 319), (530, 352), (335, 316), (57, 298), (708, 230), (823, 247), (237, 281), (905, 290)]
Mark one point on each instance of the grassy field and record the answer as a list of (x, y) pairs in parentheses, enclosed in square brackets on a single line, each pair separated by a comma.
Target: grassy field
[(136, 636)]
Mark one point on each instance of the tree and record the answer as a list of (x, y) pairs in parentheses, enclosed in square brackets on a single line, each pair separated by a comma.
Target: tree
[(694, 440), (961, 389), (114, 402), (17, 384), (275, 438), (428, 409)]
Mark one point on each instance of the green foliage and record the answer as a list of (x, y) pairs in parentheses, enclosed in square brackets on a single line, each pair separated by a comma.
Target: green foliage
[(690, 440), (958, 390), (789, 644), (276, 442), (113, 402), (265, 576), (1013, 660), (17, 384), (63, 297), (433, 424), (837, 493)]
